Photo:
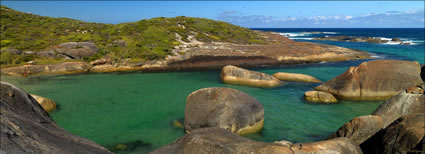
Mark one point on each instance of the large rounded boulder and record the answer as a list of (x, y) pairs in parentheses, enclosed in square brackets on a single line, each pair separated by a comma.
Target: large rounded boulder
[(405, 135), (27, 128), (295, 77), (319, 97), (217, 140), (360, 128), (374, 80), (47, 104), (239, 76), (400, 105), (225, 108)]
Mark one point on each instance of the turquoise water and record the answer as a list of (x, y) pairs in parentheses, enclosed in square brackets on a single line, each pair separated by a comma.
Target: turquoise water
[(138, 109), (119, 108)]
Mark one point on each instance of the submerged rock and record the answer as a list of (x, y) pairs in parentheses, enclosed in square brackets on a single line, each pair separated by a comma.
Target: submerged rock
[(136, 146), (360, 128), (239, 76), (404, 135), (319, 97), (47, 104), (217, 140), (27, 128), (374, 80), (226, 108), (295, 77)]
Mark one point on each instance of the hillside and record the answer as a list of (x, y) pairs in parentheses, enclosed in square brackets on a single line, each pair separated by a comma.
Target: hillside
[(150, 39)]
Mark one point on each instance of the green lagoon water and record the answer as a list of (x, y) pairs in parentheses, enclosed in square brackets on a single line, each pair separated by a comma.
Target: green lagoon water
[(126, 107), (139, 108)]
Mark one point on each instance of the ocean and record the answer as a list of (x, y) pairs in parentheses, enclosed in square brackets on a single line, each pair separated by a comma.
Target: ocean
[(139, 109)]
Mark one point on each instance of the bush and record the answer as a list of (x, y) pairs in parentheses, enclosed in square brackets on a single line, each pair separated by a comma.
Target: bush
[(147, 39)]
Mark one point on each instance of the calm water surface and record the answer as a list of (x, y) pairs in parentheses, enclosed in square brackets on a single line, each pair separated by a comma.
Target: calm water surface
[(140, 108)]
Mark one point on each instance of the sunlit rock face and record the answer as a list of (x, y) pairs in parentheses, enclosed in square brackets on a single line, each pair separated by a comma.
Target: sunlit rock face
[(374, 80), (239, 76), (218, 140)]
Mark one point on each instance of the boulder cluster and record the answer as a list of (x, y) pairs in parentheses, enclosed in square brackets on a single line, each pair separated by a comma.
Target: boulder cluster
[(69, 50), (396, 126), (216, 117)]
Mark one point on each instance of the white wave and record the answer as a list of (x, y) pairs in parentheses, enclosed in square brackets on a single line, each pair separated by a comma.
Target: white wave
[(294, 34), (301, 38), (329, 32), (377, 56), (322, 62), (403, 40)]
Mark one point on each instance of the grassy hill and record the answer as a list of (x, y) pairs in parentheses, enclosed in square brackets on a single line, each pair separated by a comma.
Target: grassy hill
[(149, 39)]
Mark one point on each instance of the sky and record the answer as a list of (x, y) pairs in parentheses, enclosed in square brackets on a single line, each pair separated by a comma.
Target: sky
[(251, 14)]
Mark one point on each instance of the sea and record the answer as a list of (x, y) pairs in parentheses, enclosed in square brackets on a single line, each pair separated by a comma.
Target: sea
[(140, 110)]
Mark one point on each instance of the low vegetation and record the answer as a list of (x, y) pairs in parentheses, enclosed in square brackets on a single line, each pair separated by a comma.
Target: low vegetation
[(149, 39)]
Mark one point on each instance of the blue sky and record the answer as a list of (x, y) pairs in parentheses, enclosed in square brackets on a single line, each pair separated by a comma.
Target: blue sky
[(252, 14)]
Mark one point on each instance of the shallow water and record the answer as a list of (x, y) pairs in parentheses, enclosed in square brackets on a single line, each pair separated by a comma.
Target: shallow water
[(140, 108), (124, 107)]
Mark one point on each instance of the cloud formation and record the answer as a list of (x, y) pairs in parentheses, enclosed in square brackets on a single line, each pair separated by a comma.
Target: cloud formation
[(412, 18)]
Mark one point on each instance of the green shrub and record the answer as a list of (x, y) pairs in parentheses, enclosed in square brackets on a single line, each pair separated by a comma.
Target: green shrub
[(146, 39)]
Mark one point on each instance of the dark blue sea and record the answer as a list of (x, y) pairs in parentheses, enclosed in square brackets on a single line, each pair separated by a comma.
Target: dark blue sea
[(390, 50)]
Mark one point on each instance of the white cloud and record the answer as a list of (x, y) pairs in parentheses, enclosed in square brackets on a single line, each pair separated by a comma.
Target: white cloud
[(411, 18)]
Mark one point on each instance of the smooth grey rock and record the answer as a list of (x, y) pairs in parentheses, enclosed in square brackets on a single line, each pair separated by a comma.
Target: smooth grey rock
[(27, 128)]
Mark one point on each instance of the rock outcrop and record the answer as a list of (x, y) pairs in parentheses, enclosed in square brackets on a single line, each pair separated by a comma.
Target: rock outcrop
[(404, 135), (61, 68), (423, 72), (361, 39), (27, 128), (239, 76), (395, 127), (319, 97), (360, 128), (46, 54), (77, 50), (225, 108), (47, 104), (400, 105), (374, 80), (217, 140), (296, 77), (101, 61)]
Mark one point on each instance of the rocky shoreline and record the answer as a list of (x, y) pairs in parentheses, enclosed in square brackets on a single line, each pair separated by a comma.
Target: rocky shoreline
[(198, 55), (363, 39)]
